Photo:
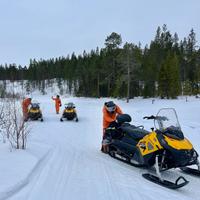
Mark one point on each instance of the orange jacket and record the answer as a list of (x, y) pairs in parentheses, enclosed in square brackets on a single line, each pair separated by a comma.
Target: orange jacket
[(108, 117), (25, 104), (57, 102)]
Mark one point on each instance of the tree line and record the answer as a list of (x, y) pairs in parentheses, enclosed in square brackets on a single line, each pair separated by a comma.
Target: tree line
[(165, 68)]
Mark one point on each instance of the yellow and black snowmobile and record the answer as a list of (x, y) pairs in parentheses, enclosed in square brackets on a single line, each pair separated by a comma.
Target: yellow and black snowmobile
[(163, 148), (69, 112), (34, 112)]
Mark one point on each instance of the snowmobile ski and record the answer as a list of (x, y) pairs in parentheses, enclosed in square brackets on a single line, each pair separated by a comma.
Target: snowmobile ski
[(191, 171), (166, 183)]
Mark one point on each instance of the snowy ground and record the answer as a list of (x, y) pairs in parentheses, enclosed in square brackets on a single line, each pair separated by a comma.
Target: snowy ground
[(63, 160)]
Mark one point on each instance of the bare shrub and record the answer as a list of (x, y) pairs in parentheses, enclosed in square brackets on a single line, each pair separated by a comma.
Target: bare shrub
[(2, 121), (13, 125)]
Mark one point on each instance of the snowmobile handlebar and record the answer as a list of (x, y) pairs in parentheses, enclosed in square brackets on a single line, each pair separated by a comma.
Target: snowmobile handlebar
[(149, 117), (159, 118)]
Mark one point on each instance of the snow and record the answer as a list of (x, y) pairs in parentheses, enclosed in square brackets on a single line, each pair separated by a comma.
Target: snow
[(63, 159), (20, 87)]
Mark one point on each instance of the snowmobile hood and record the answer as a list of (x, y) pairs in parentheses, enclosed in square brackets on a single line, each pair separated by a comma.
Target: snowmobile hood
[(34, 110), (179, 144), (71, 110)]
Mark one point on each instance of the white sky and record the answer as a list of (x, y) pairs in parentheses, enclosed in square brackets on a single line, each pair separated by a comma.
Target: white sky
[(52, 28)]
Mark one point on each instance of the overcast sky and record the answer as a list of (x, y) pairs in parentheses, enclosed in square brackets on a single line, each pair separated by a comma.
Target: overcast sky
[(52, 28)]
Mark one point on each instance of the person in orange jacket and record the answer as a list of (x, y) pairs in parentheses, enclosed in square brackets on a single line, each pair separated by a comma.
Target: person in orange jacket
[(110, 112), (57, 103), (25, 104)]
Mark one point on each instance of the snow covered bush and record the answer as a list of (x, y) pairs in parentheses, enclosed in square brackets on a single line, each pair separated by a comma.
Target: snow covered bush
[(1, 120), (13, 127), (2, 91)]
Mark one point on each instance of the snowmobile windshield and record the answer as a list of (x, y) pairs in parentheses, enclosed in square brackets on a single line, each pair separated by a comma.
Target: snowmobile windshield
[(35, 105), (69, 105), (166, 118)]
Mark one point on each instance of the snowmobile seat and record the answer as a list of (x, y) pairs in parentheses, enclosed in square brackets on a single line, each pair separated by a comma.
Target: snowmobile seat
[(133, 132), (123, 118)]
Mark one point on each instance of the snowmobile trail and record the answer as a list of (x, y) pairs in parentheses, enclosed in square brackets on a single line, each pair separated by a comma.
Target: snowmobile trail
[(76, 169)]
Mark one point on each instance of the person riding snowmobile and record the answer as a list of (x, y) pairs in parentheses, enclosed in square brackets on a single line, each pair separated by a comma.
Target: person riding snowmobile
[(110, 112)]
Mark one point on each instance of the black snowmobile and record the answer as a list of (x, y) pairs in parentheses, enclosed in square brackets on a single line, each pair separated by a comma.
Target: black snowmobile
[(34, 112), (163, 148), (69, 112)]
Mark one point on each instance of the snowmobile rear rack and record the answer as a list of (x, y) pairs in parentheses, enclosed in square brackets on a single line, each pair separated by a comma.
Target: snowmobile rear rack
[(165, 183)]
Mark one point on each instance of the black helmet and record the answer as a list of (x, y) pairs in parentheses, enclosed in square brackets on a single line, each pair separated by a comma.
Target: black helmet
[(110, 106)]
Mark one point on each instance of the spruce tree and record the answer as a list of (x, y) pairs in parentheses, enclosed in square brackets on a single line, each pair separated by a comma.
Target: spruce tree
[(175, 85), (169, 80)]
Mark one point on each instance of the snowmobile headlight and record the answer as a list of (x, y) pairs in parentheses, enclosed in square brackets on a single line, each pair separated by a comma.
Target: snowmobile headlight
[(142, 145), (150, 146)]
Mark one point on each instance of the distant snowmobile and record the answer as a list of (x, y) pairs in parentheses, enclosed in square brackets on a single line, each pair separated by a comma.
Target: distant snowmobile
[(69, 112), (34, 112), (164, 148)]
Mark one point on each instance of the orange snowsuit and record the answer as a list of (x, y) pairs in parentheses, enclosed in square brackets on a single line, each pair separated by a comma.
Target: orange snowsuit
[(110, 117), (25, 103), (57, 104)]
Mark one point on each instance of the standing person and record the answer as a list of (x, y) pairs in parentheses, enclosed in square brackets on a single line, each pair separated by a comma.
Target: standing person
[(25, 104), (110, 112), (57, 103)]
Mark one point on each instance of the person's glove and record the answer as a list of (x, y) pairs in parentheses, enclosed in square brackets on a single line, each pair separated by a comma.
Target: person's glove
[(113, 124)]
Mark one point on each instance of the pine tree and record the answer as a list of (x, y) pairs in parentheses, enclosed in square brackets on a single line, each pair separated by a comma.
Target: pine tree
[(169, 81), (163, 82), (187, 88), (28, 87), (113, 41), (175, 85)]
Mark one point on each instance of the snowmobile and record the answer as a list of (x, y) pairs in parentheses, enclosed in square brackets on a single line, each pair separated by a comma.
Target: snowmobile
[(69, 112), (163, 148), (34, 112)]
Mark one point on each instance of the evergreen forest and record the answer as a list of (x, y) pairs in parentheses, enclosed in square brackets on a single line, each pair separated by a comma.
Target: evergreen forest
[(166, 68)]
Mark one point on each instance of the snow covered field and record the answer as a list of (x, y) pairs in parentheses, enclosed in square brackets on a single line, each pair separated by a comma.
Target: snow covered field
[(63, 160)]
